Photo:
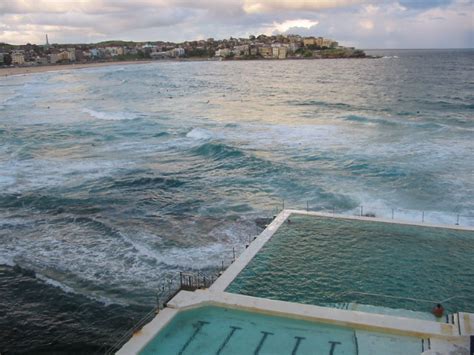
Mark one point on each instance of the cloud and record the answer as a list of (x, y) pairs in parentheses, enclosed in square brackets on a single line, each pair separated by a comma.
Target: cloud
[(421, 4), (391, 25), (286, 25), (265, 6), (366, 24), (362, 23)]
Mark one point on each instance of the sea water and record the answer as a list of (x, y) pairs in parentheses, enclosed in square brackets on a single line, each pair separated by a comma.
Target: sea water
[(113, 179)]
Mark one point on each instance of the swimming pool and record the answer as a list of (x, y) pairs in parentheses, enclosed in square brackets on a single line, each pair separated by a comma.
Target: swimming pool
[(218, 330), (351, 263)]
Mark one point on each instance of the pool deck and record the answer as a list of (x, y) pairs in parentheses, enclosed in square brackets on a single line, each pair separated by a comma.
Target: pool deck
[(443, 338)]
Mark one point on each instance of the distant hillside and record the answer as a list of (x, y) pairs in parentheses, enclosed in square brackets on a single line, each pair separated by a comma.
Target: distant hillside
[(6, 46), (118, 43)]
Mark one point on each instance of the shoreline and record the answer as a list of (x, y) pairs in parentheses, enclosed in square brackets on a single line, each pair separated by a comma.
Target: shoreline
[(6, 72)]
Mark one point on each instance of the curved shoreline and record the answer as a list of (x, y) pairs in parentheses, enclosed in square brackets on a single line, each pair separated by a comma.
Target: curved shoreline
[(10, 71), (6, 72)]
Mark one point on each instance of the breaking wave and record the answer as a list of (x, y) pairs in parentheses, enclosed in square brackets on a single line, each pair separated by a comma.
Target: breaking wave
[(199, 133), (110, 116), (218, 151)]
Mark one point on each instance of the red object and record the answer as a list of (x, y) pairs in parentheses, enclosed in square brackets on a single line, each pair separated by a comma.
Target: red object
[(438, 311)]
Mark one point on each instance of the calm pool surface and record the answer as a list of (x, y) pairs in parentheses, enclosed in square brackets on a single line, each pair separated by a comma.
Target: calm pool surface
[(215, 330), (331, 261)]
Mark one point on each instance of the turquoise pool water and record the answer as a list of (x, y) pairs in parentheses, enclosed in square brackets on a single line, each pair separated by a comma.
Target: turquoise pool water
[(215, 330), (332, 261)]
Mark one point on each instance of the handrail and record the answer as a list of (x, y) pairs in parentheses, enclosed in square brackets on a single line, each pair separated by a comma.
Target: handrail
[(191, 280), (399, 297), (127, 334), (388, 296), (403, 214)]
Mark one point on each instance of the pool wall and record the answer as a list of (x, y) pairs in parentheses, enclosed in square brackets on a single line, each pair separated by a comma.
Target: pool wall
[(242, 261), (354, 319), (444, 335)]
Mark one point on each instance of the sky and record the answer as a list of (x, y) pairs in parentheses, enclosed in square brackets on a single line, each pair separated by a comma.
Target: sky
[(360, 23)]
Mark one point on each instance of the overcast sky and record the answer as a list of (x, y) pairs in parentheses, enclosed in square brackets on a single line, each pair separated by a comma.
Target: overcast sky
[(360, 23)]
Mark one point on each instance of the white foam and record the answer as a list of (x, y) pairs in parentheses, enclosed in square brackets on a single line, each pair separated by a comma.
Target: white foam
[(89, 260), (92, 296), (199, 133), (24, 175), (6, 181), (200, 257), (11, 99), (110, 116), (383, 209), (6, 260), (55, 283), (292, 136)]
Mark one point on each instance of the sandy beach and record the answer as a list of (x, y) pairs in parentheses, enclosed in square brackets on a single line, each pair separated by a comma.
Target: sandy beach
[(4, 72)]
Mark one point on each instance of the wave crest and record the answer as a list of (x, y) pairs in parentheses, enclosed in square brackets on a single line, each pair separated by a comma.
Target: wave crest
[(218, 151), (110, 116), (146, 181), (362, 119), (199, 133)]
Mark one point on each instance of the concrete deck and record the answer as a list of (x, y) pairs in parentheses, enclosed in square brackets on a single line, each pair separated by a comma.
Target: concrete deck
[(443, 336), (376, 219), (148, 332), (353, 319)]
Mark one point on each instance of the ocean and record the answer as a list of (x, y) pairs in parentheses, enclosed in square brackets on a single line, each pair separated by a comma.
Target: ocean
[(114, 179)]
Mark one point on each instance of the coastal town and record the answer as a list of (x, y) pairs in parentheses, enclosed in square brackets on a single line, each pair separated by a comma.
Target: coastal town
[(251, 48)]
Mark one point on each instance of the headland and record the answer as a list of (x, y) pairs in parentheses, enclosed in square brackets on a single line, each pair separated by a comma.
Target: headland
[(32, 58)]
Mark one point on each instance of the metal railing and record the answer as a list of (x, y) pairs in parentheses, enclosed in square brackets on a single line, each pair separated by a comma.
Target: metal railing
[(420, 304), (188, 281), (401, 214), (432, 302), (194, 281), (129, 333)]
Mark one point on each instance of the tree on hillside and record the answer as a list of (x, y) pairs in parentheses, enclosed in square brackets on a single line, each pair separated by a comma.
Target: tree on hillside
[(7, 59)]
